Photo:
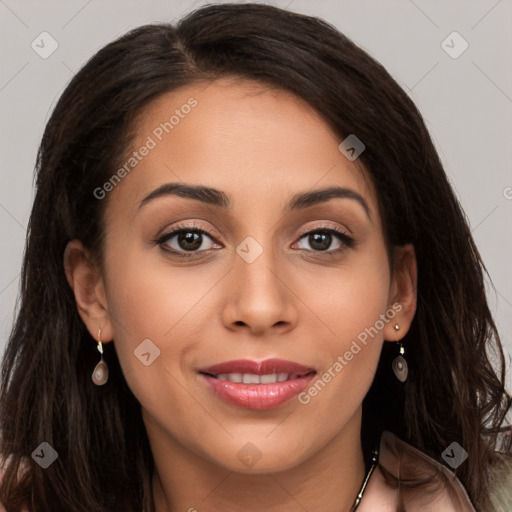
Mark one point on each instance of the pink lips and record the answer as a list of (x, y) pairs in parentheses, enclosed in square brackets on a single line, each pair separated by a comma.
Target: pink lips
[(258, 396)]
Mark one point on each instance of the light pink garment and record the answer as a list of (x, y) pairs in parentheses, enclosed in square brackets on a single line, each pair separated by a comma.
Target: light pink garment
[(390, 489)]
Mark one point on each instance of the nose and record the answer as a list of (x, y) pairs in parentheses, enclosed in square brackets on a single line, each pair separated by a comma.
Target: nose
[(259, 296)]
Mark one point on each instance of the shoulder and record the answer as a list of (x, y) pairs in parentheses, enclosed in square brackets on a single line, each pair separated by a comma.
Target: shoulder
[(501, 492), (408, 479)]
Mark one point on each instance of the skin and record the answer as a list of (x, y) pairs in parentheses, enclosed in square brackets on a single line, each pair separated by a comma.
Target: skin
[(260, 146)]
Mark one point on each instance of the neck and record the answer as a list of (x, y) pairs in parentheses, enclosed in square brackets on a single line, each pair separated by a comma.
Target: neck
[(330, 478)]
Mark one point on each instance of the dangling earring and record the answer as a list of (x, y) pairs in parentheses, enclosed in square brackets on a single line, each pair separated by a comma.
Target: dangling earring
[(400, 368), (100, 372)]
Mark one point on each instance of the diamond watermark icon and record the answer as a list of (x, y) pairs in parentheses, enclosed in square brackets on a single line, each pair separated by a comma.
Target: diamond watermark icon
[(147, 352), (249, 249), (454, 455), (45, 455), (351, 147), (44, 45), (249, 454), (454, 45)]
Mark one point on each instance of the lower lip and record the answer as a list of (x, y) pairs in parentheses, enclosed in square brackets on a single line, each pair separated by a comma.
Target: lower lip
[(257, 396)]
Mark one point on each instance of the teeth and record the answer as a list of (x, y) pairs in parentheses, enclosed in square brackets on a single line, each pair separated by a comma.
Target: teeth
[(251, 378)]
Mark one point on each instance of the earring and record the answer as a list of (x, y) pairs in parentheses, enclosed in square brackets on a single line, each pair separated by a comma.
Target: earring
[(399, 365), (100, 372)]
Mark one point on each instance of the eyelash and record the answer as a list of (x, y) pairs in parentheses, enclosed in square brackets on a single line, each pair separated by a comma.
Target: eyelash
[(347, 241)]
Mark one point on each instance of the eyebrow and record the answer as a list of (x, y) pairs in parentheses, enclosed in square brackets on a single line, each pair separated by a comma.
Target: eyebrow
[(215, 197)]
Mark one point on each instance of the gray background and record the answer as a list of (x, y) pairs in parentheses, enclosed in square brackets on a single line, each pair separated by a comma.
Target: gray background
[(466, 102)]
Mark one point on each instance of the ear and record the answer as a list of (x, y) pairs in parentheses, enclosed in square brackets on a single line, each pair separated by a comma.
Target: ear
[(86, 281), (403, 292)]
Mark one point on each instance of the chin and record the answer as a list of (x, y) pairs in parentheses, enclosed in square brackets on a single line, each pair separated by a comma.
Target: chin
[(259, 456)]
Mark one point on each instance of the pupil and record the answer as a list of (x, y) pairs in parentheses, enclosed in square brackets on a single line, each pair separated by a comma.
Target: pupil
[(189, 241), (320, 241)]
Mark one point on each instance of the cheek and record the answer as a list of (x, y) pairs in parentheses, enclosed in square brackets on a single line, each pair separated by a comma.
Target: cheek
[(154, 308), (353, 306), (350, 298), (147, 295)]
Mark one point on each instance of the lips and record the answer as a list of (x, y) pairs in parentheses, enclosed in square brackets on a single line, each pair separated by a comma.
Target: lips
[(257, 384), (269, 366)]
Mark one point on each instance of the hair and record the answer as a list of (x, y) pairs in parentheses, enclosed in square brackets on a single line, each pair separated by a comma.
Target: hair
[(455, 390)]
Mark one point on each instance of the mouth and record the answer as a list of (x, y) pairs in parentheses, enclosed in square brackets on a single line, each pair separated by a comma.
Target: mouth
[(257, 385), (252, 378)]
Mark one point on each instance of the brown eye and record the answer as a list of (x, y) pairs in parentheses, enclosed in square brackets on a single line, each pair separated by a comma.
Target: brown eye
[(186, 240), (321, 240), (189, 240)]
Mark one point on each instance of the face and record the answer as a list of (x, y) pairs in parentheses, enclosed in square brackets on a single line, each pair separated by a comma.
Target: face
[(255, 274)]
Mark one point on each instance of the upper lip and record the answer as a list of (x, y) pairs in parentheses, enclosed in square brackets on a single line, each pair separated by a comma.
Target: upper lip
[(266, 367)]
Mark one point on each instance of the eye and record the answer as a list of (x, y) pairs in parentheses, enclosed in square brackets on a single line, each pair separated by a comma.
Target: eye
[(321, 239), (185, 240)]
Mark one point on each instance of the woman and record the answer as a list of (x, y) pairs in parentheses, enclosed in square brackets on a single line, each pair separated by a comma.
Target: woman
[(247, 218)]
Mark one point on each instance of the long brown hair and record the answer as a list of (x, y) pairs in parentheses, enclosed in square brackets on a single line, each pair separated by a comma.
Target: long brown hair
[(455, 390)]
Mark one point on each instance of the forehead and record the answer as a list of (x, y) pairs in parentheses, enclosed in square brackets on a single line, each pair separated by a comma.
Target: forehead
[(257, 143)]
